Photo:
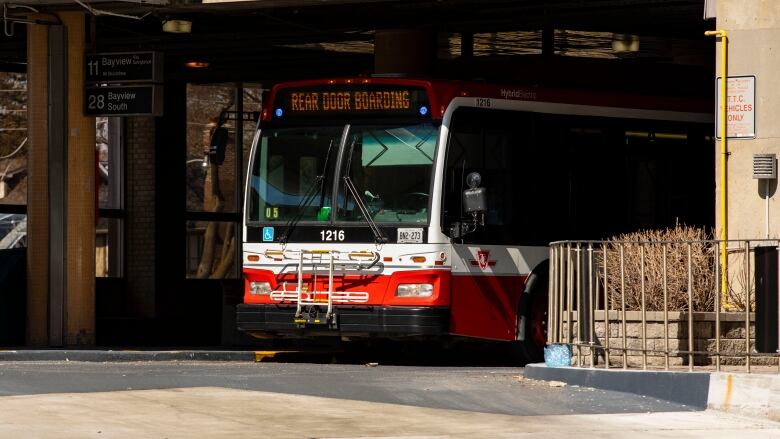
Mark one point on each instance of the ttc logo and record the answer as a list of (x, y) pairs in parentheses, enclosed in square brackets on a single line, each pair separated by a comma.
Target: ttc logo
[(483, 260)]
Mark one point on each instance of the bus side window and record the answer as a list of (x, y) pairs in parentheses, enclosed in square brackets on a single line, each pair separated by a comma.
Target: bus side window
[(489, 142), (464, 155)]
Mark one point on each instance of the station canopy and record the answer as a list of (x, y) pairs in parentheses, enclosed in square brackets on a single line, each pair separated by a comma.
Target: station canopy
[(290, 39)]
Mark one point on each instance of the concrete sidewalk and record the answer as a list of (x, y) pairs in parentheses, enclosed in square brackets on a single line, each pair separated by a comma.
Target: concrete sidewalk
[(230, 413), (755, 395)]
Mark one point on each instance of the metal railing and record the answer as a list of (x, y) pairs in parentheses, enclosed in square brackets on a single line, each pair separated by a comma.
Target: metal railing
[(656, 304)]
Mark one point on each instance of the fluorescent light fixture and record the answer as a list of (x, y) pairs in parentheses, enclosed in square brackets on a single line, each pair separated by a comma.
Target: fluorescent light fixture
[(625, 43), (177, 26)]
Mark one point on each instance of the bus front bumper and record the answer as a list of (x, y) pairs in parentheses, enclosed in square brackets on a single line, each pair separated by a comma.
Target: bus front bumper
[(374, 320)]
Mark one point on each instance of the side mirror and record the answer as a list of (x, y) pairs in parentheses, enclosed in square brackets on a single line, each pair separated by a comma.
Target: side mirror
[(219, 139), (475, 200), (475, 204), (475, 197)]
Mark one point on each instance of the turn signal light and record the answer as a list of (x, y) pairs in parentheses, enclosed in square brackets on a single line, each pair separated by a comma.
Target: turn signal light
[(253, 258), (418, 259)]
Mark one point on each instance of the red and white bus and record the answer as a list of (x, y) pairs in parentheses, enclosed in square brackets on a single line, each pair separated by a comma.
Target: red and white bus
[(397, 208)]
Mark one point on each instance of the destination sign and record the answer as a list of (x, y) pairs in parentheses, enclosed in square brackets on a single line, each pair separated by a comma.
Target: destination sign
[(362, 100), (135, 100), (123, 67)]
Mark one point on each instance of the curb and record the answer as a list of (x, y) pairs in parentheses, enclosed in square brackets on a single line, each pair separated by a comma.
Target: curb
[(754, 395), (688, 388), (128, 355)]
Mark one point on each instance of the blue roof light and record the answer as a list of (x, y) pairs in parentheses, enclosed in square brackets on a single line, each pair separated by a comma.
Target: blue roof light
[(423, 110), (279, 112)]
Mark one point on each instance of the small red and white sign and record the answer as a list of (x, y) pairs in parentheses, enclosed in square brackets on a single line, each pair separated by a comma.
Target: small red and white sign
[(740, 107)]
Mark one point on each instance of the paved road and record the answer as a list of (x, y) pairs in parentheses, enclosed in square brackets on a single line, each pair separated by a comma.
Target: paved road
[(481, 389), (277, 400)]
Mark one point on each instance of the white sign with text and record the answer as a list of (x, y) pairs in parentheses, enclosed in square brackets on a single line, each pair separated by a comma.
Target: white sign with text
[(740, 107)]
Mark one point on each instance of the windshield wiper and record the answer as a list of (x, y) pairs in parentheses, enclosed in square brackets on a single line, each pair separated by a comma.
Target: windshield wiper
[(379, 237), (315, 188)]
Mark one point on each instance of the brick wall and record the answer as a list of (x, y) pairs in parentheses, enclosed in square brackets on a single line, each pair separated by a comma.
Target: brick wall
[(732, 338)]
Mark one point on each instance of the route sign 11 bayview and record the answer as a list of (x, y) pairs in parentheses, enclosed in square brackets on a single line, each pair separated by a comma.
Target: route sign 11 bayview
[(123, 67)]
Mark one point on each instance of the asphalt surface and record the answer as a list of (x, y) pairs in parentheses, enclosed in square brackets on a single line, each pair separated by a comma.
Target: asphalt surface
[(487, 389)]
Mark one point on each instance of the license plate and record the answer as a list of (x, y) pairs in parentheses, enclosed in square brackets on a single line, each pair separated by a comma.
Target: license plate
[(410, 236)]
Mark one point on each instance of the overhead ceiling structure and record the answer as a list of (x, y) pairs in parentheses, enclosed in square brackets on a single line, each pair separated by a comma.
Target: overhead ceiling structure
[(274, 39)]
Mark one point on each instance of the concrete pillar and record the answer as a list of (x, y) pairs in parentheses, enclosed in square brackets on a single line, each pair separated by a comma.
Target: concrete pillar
[(61, 192), (80, 251), (404, 51), (37, 189), (753, 28)]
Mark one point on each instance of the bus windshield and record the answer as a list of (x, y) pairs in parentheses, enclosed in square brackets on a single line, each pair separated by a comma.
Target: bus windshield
[(390, 165), (284, 180)]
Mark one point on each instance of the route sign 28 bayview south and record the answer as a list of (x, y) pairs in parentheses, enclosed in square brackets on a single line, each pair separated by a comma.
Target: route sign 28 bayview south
[(131, 100), (123, 67)]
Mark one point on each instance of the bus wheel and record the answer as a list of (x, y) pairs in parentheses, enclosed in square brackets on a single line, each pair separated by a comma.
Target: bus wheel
[(536, 329), (532, 318)]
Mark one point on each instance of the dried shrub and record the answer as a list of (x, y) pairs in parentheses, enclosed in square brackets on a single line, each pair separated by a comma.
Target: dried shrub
[(740, 281), (676, 241)]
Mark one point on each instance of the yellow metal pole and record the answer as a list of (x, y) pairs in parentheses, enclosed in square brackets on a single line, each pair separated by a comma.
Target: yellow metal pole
[(723, 156)]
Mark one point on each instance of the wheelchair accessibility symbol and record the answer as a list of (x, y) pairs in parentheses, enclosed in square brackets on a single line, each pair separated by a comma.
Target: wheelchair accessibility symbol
[(268, 234)]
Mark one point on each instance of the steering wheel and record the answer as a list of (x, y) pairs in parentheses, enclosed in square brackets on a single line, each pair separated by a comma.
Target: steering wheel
[(414, 202)]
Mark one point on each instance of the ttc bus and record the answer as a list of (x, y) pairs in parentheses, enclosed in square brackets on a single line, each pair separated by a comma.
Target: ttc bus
[(408, 208)]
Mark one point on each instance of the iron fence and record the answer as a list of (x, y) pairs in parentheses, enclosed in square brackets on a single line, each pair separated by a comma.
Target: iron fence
[(657, 304)]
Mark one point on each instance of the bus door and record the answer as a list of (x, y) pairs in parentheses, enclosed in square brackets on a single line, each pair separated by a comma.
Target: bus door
[(487, 275)]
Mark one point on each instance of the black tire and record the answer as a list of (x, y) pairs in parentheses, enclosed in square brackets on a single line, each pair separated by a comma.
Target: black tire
[(532, 317)]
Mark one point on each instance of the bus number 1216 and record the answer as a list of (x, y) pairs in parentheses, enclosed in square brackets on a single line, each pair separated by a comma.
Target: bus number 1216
[(332, 235)]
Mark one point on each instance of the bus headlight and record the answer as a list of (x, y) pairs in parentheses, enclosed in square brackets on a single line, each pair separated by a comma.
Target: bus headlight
[(259, 288), (414, 290)]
